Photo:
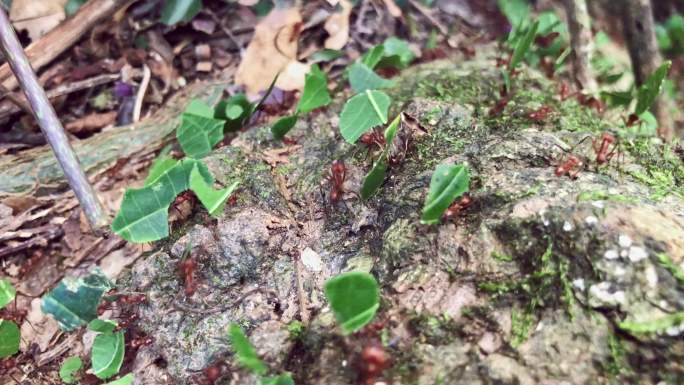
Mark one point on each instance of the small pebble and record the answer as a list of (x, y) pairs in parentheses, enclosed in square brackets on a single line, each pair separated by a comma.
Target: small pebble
[(637, 254), (579, 283), (591, 220), (610, 254), (624, 241), (598, 204), (567, 226)]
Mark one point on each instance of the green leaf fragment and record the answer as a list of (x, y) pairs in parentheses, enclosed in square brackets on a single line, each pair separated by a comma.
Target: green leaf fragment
[(448, 183), (244, 351), (73, 303), (315, 92), (212, 200), (102, 326), (199, 132), (176, 11), (161, 165), (9, 338), (376, 176), (69, 368), (354, 298), (648, 92), (107, 354), (396, 53), (7, 293), (283, 379), (283, 126), (373, 56), (324, 55), (235, 111), (363, 112), (125, 380), (653, 326), (522, 46), (362, 78)]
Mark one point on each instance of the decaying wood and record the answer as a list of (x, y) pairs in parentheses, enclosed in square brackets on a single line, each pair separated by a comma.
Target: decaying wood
[(639, 29), (43, 51), (582, 42)]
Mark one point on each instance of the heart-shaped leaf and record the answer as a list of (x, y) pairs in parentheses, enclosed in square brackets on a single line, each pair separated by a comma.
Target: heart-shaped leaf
[(125, 380), (69, 368), (373, 56), (9, 338), (396, 53), (648, 92), (7, 293), (199, 132), (74, 301), (283, 126), (107, 354), (244, 351), (362, 78), (213, 200), (234, 111), (376, 176), (283, 379), (176, 11), (449, 181), (354, 298), (363, 112), (522, 46), (315, 92)]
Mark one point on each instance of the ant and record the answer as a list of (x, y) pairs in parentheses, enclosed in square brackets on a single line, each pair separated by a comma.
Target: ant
[(31, 263), (604, 153), (498, 107), (187, 269), (458, 206), (546, 40), (591, 102), (563, 91), (632, 119), (338, 173), (375, 137), (125, 322), (467, 51), (540, 115), (137, 342), (374, 358), (571, 167)]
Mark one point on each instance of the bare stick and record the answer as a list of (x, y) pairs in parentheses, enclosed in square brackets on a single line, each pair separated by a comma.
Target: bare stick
[(49, 124), (639, 29), (581, 42)]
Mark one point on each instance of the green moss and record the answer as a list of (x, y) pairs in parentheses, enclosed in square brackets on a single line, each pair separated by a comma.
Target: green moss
[(663, 168), (618, 364), (670, 266), (600, 195), (296, 329), (521, 323), (501, 257)]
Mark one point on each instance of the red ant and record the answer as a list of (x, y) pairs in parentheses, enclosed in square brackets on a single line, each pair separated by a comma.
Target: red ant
[(431, 54), (125, 322), (603, 155), (338, 173), (563, 91), (375, 137), (31, 263), (498, 107), (458, 206), (141, 341), (539, 115), (212, 373), (374, 358), (632, 119), (187, 269), (546, 40), (566, 168), (591, 102), (467, 51)]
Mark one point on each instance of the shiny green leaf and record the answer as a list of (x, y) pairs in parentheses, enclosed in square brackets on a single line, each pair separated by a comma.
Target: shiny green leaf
[(7, 293), (244, 351), (373, 56), (354, 298), (648, 92), (199, 132), (102, 326), (9, 338), (324, 55), (160, 166), (448, 183), (396, 53), (283, 126), (523, 45), (107, 354), (315, 92), (376, 176), (125, 380), (176, 11), (235, 111), (363, 112), (283, 379), (362, 78), (212, 200), (69, 368)]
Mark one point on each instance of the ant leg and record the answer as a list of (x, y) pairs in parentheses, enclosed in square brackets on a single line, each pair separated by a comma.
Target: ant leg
[(572, 149)]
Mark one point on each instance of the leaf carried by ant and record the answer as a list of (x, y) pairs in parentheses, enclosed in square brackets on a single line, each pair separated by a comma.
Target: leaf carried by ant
[(212, 200), (234, 111), (107, 354), (522, 46), (315, 92), (325, 55), (648, 92), (7, 293), (449, 181), (74, 301), (283, 379), (396, 53), (125, 380), (199, 131), (362, 78), (376, 176), (363, 112), (281, 127), (160, 166), (244, 351), (102, 326), (516, 11), (373, 56), (354, 298), (9, 338), (69, 367)]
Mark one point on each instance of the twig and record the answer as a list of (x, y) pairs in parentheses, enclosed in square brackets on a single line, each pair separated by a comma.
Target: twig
[(18, 102), (428, 15), (140, 96), (49, 124), (582, 43)]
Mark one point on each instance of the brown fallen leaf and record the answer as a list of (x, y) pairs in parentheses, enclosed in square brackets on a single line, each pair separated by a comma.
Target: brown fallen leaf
[(37, 17), (337, 26), (272, 49), (91, 122)]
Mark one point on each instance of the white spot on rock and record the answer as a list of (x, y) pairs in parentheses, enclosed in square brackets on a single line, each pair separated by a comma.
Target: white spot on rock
[(591, 220), (579, 283), (637, 254), (651, 276), (311, 260), (611, 254), (624, 241), (619, 271), (598, 204), (567, 226)]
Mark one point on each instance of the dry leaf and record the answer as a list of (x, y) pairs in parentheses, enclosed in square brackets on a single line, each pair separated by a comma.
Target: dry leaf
[(272, 49), (37, 17), (337, 26)]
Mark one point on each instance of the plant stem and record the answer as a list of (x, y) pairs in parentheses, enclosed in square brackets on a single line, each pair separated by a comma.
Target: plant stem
[(581, 41), (49, 124)]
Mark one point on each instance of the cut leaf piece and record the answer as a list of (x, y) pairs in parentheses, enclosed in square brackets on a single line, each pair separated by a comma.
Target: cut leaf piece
[(363, 112), (74, 301), (373, 56), (522, 46), (199, 133), (449, 181), (107, 354), (283, 379), (376, 176), (315, 93), (7, 293), (354, 298), (9, 338), (397, 53), (283, 126), (235, 110), (125, 380), (244, 351), (213, 200), (648, 92), (102, 326), (362, 78), (324, 55), (69, 367), (176, 11), (161, 165)]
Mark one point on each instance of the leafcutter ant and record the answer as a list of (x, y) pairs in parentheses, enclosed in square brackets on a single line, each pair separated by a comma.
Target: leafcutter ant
[(141, 341), (187, 269), (498, 107), (540, 115), (570, 167), (458, 206), (338, 173), (604, 151), (375, 137), (591, 102)]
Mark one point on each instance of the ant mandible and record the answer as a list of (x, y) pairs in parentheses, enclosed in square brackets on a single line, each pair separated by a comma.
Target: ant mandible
[(338, 173)]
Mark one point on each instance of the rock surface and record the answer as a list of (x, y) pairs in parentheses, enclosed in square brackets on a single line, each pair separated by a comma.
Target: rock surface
[(537, 283)]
